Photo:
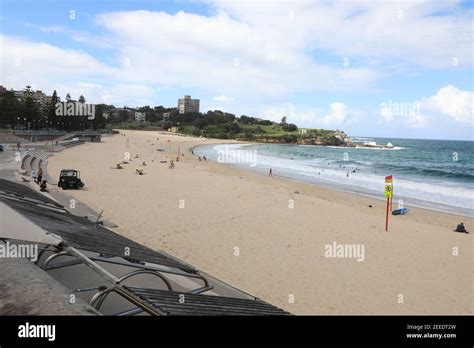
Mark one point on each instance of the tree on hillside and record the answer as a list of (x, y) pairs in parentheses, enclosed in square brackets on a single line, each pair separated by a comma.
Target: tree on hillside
[(199, 123), (30, 109), (9, 109), (246, 119), (283, 120), (99, 120), (68, 97), (81, 99), (259, 130), (51, 111), (289, 127)]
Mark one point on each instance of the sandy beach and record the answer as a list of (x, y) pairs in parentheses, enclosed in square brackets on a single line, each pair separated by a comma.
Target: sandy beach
[(238, 226)]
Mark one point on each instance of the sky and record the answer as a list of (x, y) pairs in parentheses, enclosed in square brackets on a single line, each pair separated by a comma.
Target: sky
[(370, 68)]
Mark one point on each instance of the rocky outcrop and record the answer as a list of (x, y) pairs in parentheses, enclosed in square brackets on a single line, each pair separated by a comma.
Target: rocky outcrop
[(323, 138)]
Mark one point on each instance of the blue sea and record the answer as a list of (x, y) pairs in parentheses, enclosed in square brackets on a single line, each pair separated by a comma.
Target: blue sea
[(436, 174)]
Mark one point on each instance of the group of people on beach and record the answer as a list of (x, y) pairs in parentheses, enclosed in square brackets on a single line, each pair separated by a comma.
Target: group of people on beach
[(171, 162)]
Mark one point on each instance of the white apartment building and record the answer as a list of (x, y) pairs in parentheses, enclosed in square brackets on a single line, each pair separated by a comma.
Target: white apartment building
[(140, 116), (186, 104)]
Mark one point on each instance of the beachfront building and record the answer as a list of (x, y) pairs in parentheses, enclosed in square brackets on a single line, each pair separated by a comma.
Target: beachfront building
[(40, 98), (302, 130), (140, 116), (18, 94), (187, 105)]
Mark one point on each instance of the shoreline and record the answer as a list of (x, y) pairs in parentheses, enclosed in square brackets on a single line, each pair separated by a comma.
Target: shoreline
[(281, 249), (350, 189)]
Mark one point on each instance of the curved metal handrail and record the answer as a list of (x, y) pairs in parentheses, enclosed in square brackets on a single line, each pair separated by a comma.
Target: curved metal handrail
[(145, 271)]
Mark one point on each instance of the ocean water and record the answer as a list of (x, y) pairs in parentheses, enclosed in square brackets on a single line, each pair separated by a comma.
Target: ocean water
[(436, 174)]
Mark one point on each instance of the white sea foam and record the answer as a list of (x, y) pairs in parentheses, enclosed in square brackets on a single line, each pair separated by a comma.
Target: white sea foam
[(317, 171)]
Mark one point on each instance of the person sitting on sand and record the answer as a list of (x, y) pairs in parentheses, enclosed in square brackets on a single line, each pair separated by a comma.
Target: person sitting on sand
[(461, 228), (171, 164), (204, 158), (139, 172), (177, 158), (144, 163), (199, 159), (44, 186), (119, 166)]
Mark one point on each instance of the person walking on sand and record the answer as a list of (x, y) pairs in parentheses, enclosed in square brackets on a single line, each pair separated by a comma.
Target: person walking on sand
[(270, 172), (39, 176)]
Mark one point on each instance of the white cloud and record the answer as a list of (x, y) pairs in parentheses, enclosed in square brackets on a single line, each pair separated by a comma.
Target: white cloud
[(448, 102), (281, 47), (337, 114), (454, 103), (426, 34), (49, 68), (40, 64), (223, 99), (198, 51)]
